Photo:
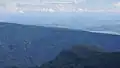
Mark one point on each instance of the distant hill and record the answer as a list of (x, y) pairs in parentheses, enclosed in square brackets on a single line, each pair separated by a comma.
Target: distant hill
[(34, 45), (93, 59), (109, 28), (63, 19)]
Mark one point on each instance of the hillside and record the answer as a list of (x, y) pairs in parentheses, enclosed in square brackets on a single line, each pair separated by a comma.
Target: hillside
[(31, 45), (94, 59)]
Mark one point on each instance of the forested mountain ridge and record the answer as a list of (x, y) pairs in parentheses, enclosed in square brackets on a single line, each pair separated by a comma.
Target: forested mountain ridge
[(38, 42), (93, 59)]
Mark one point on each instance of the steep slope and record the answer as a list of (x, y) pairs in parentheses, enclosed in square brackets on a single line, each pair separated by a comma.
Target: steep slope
[(70, 59), (31, 45)]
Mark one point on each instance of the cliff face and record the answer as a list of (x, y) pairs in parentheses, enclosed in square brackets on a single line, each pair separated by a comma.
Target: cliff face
[(93, 59)]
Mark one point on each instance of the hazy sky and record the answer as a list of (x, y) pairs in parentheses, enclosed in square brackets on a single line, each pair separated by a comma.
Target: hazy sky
[(90, 4)]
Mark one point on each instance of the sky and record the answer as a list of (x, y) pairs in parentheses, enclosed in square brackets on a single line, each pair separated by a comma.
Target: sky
[(89, 4), (27, 18)]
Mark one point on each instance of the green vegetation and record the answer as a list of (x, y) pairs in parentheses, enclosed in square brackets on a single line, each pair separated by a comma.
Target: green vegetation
[(40, 42), (84, 57)]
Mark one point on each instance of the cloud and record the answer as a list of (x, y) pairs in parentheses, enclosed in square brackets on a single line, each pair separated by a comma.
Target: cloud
[(117, 4)]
